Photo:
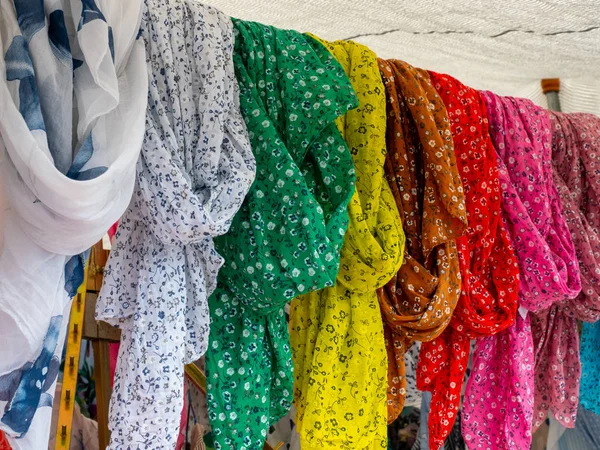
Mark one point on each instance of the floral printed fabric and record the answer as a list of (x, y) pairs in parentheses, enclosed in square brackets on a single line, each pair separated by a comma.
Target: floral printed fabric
[(337, 333), (557, 365), (287, 237), (73, 92), (421, 168), (194, 171), (576, 170), (548, 273), (498, 409), (590, 367), (488, 265)]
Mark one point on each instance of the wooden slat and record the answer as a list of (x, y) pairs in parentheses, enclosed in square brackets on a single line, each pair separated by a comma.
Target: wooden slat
[(103, 388), (69, 381), (193, 372), (93, 329), (90, 326), (98, 258)]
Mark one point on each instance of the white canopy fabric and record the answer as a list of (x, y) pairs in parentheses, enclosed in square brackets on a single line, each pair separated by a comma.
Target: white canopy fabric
[(505, 46)]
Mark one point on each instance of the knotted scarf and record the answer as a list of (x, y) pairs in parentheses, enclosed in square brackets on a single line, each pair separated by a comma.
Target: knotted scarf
[(421, 168), (287, 237), (72, 100), (194, 171), (337, 333), (575, 143), (587, 131), (488, 266), (498, 409)]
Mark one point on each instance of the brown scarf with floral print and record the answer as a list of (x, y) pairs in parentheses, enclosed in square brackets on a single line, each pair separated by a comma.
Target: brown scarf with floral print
[(421, 168)]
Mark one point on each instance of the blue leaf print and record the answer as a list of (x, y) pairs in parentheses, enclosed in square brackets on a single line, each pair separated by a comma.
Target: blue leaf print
[(59, 37), (77, 63), (74, 273), (30, 14), (34, 378), (9, 384), (83, 156), (111, 43), (81, 159), (46, 399), (90, 174), (20, 67), (90, 12)]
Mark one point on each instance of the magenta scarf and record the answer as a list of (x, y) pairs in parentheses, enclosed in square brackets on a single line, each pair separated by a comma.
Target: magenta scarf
[(498, 412), (555, 334)]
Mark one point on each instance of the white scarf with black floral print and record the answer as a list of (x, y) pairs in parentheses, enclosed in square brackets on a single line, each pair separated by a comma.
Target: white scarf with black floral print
[(194, 172)]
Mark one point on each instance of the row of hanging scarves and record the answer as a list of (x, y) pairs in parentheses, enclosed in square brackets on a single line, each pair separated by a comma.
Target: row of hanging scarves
[(390, 205), (333, 335)]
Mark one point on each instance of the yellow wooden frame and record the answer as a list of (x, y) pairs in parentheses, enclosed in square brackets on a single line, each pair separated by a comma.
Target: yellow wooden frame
[(73, 351)]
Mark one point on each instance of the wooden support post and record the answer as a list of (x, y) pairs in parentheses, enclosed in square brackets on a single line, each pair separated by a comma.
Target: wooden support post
[(101, 334), (551, 88), (103, 388)]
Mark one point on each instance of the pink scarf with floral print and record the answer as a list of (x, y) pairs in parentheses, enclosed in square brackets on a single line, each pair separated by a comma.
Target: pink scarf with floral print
[(498, 412), (555, 334)]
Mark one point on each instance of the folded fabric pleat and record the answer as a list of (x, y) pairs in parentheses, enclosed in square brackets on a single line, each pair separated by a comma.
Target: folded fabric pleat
[(488, 265), (498, 403), (421, 168), (548, 269), (286, 238), (337, 333), (557, 366)]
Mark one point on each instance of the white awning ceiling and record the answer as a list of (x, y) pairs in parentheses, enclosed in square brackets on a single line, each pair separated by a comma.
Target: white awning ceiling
[(506, 46)]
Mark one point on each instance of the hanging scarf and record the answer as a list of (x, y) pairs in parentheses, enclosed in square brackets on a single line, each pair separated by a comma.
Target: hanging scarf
[(339, 349), (588, 133), (576, 163), (502, 377), (590, 367), (68, 177), (488, 266), (287, 237), (195, 169), (421, 167)]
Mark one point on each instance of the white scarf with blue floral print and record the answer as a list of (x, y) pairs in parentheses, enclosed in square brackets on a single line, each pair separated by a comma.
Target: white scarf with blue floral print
[(73, 95)]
